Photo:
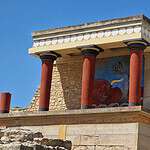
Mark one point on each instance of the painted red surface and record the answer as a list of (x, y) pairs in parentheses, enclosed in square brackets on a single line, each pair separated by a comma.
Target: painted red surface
[(103, 93), (5, 102), (134, 85), (115, 95), (46, 77), (87, 80)]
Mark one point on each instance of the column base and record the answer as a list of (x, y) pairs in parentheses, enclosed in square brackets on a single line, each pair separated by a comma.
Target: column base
[(43, 109), (133, 104), (4, 111)]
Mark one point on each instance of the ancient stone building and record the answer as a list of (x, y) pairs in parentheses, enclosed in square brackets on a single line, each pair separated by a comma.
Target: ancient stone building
[(94, 88)]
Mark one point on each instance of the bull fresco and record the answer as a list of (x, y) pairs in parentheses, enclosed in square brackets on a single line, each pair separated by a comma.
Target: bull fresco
[(112, 81)]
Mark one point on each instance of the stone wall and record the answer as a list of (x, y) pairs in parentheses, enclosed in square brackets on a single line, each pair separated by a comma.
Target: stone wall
[(26, 139), (144, 137), (147, 81), (66, 86), (121, 128), (94, 136)]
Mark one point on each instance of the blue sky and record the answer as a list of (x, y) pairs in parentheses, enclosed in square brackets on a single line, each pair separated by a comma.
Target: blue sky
[(20, 72)]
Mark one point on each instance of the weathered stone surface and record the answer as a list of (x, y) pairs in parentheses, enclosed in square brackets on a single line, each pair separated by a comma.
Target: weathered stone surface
[(114, 147), (67, 95), (10, 146), (25, 139), (5, 139), (1, 134), (103, 147), (19, 134), (89, 140), (83, 148), (54, 142)]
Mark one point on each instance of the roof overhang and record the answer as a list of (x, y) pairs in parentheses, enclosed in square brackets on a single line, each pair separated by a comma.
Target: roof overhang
[(108, 35)]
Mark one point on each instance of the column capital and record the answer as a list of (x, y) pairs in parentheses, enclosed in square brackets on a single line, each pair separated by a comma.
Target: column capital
[(49, 56), (90, 50), (137, 44)]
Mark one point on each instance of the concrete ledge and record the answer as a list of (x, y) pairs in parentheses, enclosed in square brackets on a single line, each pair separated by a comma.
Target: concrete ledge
[(87, 116)]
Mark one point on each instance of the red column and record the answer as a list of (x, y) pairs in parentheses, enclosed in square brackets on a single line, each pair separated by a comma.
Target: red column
[(46, 77), (88, 72), (134, 78), (136, 60), (5, 102)]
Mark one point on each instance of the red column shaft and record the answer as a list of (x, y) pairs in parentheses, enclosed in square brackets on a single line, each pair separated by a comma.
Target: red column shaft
[(46, 77), (5, 102), (140, 76), (134, 78), (88, 73)]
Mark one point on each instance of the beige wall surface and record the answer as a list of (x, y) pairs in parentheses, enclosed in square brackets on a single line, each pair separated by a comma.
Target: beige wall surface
[(66, 86), (146, 101), (144, 137), (94, 136)]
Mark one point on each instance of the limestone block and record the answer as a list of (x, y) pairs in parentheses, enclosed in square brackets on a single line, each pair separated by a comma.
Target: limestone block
[(81, 130), (47, 131), (112, 147), (89, 140), (74, 139), (144, 137), (83, 148), (116, 128)]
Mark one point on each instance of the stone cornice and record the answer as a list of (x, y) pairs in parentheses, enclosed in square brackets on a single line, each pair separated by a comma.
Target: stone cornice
[(103, 32), (89, 26), (89, 35)]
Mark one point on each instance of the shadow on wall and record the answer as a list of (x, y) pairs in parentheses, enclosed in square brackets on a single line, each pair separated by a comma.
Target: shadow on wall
[(70, 76)]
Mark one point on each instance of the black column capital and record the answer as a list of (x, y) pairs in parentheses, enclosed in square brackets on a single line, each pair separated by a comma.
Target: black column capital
[(49, 56), (91, 50), (137, 44)]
